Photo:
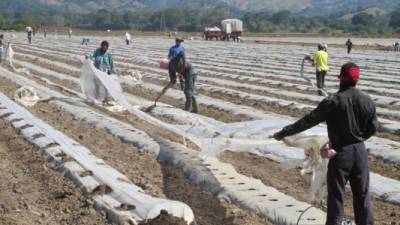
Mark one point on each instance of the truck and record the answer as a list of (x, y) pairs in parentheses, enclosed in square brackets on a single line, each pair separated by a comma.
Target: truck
[(212, 32), (232, 28)]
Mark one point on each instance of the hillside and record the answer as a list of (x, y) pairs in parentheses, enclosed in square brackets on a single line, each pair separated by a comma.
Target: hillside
[(304, 7), (374, 11)]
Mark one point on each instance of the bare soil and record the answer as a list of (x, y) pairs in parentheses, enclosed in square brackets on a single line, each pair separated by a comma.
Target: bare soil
[(143, 169), (31, 192), (297, 186)]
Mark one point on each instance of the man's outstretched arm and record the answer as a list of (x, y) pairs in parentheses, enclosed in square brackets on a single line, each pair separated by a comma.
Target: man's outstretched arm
[(312, 119)]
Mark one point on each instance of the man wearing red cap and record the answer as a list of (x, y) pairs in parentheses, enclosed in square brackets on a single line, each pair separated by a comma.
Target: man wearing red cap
[(351, 119)]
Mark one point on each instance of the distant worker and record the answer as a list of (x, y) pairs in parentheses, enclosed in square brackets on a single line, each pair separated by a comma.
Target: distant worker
[(70, 33), (175, 55), (45, 32), (103, 61), (128, 38), (85, 41), (349, 45), (321, 65), (29, 34), (189, 74), (351, 119), (1, 47), (396, 46)]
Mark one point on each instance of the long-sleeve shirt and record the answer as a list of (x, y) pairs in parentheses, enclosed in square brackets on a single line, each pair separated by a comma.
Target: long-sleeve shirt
[(350, 116), (103, 61), (176, 54), (174, 51)]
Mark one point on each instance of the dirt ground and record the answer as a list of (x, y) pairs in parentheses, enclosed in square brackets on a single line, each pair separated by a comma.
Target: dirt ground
[(156, 178), (297, 186), (31, 192)]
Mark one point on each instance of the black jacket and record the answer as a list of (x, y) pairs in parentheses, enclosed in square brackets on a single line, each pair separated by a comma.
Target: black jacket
[(350, 116)]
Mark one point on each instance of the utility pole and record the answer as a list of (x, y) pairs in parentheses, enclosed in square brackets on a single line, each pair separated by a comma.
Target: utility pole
[(162, 21)]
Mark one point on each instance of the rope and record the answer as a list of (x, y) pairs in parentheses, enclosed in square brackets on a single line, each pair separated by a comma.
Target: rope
[(301, 214)]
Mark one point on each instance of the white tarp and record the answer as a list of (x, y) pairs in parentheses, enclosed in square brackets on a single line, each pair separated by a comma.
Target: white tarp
[(234, 24), (26, 96), (94, 82)]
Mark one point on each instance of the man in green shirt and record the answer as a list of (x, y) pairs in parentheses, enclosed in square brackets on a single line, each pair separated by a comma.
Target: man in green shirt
[(321, 64)]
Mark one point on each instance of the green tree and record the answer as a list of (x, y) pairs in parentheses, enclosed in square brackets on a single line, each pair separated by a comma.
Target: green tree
[(363, 19), (282, 18), (395, 19), (2, 22)]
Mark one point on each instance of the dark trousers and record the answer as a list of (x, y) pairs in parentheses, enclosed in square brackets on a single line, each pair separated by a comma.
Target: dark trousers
[(350, 164), (320, 75), (348, 50), (190, 82), (172, 70)]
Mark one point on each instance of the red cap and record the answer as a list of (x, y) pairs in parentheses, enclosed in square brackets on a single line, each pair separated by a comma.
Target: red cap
[(350, 73)]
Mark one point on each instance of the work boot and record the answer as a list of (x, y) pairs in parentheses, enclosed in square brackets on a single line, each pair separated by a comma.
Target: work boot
[(194, 105), (188, 104)]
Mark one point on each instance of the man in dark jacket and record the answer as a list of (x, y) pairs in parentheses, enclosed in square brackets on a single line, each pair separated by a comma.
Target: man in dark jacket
[(351, 119)]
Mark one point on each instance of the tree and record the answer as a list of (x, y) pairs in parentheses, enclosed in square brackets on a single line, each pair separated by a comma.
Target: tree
[(2, 23), (395, 19), (282, 18), (363, 19)]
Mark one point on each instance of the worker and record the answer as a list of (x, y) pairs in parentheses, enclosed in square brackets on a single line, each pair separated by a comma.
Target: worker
[(29, 33), (45, 32), (189, 74), (320, 62), (349, 45), (396, 46), (85, 41), (175, 55), (127, 38), (351, 119), (70, 33), (1, 47), (103, 60)]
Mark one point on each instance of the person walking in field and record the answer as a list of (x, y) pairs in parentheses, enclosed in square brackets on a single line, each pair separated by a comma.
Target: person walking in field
[(175, 55), (128, 38), (351, 119), (70, 33), (45, 32), (320, 62), (189, 74), (103, 61), (349, 45), (1, 47), (29, 34)]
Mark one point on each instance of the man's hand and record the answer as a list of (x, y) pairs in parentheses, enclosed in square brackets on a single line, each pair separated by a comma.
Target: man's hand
[(327, 152), (277, 136)]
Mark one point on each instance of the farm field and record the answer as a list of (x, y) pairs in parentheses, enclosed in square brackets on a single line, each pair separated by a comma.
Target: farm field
[(128, 165)]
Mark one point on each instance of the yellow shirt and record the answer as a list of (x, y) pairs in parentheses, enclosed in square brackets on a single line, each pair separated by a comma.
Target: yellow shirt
[(321, 60)]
